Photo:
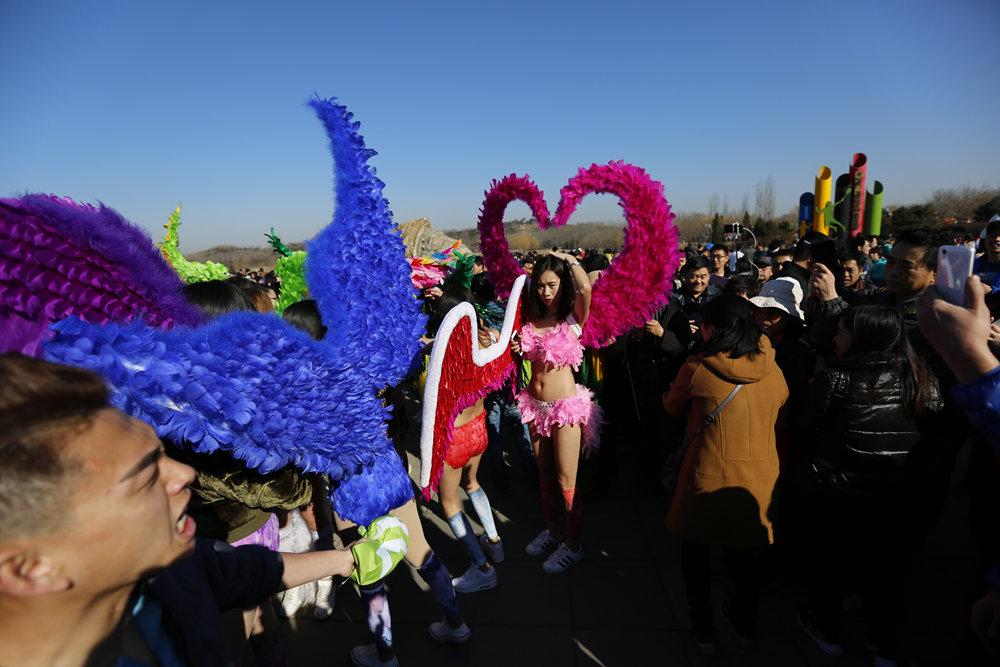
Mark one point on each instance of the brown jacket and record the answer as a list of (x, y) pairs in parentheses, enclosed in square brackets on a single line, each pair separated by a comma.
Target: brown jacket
[(728, 475)]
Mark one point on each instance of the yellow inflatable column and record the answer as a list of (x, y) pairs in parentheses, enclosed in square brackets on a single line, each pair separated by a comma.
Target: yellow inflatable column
[(822, 199)]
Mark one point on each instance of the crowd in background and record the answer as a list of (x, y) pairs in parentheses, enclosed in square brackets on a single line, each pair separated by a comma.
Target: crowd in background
[(800, 408)]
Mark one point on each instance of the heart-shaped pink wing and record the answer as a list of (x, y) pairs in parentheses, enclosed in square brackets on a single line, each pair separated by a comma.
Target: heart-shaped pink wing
[(641, 276)]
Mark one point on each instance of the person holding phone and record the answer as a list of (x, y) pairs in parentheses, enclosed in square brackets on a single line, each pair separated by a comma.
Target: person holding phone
[(910, 269), (862, 422), (960, 332), (987, 266)]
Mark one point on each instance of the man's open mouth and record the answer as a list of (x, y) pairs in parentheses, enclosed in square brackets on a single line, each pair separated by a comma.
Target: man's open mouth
[(185, 526)]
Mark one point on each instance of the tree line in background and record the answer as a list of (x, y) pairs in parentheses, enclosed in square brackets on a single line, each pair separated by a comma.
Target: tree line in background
[(961, 206)]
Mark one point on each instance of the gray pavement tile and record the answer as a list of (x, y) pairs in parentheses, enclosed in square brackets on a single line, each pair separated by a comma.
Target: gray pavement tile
[(608, 536), (663, 545), (766, 650), (525, 597), (615, 647), (619, 594)]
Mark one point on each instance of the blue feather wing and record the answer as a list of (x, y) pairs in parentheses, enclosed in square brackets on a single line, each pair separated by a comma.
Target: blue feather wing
[(356, 267), (252, 386)]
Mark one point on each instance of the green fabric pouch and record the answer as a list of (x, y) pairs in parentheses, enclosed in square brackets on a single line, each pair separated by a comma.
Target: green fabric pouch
[(384, 546)]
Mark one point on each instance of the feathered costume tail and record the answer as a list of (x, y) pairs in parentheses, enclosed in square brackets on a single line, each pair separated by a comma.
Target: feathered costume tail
[(190, 272)]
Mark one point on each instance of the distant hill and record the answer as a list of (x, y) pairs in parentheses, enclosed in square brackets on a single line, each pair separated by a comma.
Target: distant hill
[(524, 234), (236, 258), (418, 236)]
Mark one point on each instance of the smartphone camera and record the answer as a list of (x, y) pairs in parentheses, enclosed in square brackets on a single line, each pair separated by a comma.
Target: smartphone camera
[(732, 232)]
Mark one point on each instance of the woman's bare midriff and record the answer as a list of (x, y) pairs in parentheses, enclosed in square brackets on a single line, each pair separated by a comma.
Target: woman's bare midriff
[(551, 383), (468, 414)]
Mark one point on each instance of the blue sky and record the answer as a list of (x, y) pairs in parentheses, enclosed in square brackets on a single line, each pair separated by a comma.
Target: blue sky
[(146, 104)]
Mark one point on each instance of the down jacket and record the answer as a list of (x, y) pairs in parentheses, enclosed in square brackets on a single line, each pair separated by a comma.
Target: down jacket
[(863, 430)]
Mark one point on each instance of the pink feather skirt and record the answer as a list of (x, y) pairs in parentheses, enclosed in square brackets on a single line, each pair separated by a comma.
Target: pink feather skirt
[(578, 410)]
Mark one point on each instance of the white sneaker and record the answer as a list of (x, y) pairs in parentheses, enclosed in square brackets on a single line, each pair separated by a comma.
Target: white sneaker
[(541, 544), (493, 551), (562, 559), (367, 656), (442, 633), (475, 579)]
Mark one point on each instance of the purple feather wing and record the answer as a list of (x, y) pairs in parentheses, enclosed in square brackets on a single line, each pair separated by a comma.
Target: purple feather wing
[(59, 258)]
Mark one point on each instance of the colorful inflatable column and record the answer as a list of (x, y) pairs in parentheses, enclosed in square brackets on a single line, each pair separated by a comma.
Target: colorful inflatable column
[(822, 200), (807, 203), (841, 205), (858, 173), (873, 211)]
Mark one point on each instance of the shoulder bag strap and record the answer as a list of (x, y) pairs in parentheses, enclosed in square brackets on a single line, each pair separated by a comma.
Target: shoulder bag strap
[(713, 416)]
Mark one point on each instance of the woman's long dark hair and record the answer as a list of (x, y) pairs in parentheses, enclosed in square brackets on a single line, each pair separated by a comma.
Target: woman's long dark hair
[(737, 333), (304, 315), (217, 297), (450, 297), (879, 333), (533, 306)]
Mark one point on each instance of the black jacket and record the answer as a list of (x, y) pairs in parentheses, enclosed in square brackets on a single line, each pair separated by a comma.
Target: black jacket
[(655, 360), (215, 578), (800, 274), (863, 431)]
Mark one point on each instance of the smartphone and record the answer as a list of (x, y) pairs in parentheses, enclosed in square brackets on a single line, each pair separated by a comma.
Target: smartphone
[(825, 252), (954, 266)]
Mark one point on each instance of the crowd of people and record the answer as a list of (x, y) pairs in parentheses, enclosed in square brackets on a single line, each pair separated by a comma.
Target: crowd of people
[(800, 408)]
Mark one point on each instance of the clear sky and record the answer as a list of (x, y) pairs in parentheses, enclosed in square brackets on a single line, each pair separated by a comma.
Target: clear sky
[(146, 104)]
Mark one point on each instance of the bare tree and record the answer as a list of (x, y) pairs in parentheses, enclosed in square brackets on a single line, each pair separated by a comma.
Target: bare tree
[(763, 199), (745, 204), (727, 210), (961, 203), (713, 204)]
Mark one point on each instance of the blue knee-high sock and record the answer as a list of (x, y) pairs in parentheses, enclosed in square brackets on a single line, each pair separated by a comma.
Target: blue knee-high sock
[(481, 503), (438, 578), (379, 619), (462, 529)]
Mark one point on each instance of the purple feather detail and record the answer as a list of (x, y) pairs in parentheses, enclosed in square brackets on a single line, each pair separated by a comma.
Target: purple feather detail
[(59, 258)]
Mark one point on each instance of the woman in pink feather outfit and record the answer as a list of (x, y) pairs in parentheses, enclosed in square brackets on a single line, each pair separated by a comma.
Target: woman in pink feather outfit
[(561, 414)]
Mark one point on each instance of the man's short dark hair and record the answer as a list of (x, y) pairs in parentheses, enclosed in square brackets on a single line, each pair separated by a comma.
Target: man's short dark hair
[(852, 256), (929, 240), (720, 246), (41, 406), (695, 263)]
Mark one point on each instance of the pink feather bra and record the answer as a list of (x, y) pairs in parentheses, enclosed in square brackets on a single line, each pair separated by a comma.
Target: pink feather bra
[(558, 346)]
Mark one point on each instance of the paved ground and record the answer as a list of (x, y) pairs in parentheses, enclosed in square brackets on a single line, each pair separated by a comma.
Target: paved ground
[(625, 604)]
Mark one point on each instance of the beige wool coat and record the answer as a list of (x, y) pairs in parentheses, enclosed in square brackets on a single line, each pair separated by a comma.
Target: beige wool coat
[(727, 479)]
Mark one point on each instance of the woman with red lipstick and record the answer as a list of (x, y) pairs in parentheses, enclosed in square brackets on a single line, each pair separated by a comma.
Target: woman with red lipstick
[(561, 414)]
